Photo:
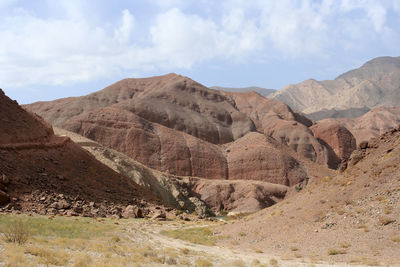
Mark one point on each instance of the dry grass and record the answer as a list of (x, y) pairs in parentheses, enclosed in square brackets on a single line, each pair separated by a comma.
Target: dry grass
[(48, 256), (203, 263), (238, 263), (333, 251), (345, 244), (16, 232), (197, 235), (14, 256), (396, 239), (386, 220), (273, 262), (82, 260)]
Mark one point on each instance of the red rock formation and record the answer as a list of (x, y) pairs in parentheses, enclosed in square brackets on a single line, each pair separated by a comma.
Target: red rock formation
[(176, 125), (339, 141), (152, 144), (277, 120), (255, 157)]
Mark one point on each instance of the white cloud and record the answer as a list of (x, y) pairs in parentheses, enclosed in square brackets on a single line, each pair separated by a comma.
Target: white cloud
[(184, 39), (123, 33), (38, 50)]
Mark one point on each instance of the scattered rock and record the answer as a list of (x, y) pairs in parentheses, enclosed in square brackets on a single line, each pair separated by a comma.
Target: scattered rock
[(62, 204), (363, 145), (355, 157)]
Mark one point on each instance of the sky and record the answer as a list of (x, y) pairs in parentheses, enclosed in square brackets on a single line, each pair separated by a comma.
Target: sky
[(58, 48)]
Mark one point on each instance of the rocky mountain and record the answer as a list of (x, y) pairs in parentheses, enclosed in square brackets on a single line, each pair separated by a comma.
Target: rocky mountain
[(190, 194), (339, 217), (48, 174), (374, 84), (262, 91), (175, 125)]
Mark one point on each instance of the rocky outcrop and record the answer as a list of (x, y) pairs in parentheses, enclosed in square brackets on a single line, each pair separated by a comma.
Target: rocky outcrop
[(157, 146), (255, 157), (241, 196), (277, 120), (339, 141)]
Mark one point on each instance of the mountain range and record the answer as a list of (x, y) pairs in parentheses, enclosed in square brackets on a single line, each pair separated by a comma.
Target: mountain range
[(374, 84)]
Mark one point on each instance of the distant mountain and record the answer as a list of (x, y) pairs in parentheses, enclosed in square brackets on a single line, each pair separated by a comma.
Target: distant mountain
[(374, 84), (262, 91), (372, 124), (333, 113)]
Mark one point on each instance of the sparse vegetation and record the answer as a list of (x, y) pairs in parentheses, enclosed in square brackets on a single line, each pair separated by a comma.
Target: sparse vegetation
[(345, 244), (386, 220), (396, 239), (203, 263), (242, 234), (258, 250), (333, 251), (273, 262), (197, 235), (48, 256), (63, 227), (16, 232), (238, 263)]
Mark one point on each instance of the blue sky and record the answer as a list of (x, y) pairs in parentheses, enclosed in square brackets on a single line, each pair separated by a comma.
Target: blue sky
[(58, 48)]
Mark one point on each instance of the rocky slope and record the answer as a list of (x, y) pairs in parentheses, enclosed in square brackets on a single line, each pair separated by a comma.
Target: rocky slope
[(47, 174), (353, 216), (174, 124), (374, 84)]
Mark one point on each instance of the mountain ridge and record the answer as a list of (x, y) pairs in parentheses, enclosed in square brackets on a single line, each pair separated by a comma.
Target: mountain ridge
[(375, 83)]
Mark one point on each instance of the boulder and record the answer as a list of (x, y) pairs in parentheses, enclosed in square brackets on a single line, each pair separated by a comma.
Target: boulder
[(159, 215), (132, 212)]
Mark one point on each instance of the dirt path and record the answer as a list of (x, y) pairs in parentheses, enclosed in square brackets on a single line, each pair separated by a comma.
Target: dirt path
[(220, 256)]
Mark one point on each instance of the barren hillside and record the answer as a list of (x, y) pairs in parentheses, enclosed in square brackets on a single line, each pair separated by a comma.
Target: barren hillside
[(352, 216), (48, 174)]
